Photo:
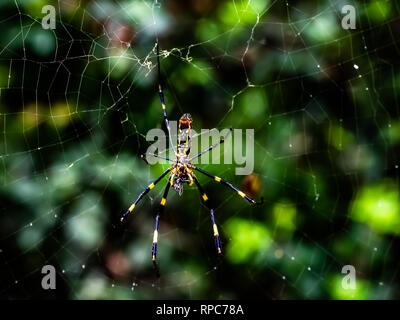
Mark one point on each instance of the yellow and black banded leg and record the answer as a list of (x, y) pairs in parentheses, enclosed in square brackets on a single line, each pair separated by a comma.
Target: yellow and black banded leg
[(214, 225), (161, 94), (159, 213), (220, 180), (144, 192)]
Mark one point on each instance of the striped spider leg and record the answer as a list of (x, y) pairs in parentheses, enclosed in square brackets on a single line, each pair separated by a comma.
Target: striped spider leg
[(218, 179), (162, 99), (228, 184), (159, 213), (214, 225), (144, 192)]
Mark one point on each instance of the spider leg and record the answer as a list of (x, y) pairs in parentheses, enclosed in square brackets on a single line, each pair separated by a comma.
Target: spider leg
[(206, 202), (156, 156), (144, 192), (212, 146), (218, 179), (159, 213), (161, 94)]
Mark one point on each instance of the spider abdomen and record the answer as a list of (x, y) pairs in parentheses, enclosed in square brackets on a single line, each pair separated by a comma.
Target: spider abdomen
[(185, 135)]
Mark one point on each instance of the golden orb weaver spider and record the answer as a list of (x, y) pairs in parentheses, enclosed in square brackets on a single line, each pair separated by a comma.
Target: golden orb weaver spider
[(181, 171)]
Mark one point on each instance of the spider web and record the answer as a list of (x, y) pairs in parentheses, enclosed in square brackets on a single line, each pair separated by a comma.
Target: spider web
[(76, 104)]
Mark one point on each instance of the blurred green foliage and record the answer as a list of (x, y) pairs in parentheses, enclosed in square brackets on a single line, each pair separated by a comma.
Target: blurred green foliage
[(246, 239), (379, 206)]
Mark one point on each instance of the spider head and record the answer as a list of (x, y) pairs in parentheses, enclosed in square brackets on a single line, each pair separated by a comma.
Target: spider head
[(185, 121), (178, 186)]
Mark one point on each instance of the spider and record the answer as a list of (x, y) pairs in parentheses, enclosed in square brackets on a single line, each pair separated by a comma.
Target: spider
[(181, 171)]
